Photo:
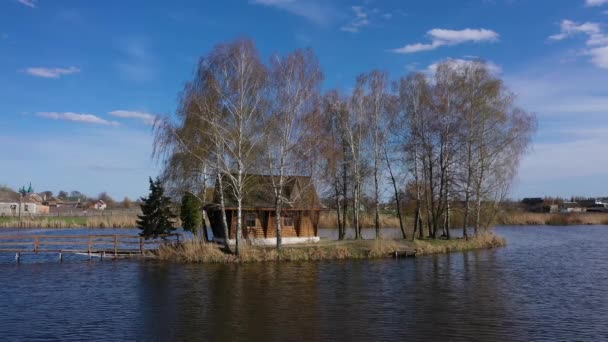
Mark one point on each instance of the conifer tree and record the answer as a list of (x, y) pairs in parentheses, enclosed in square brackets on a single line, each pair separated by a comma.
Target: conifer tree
[(157, 217), (190, 213)]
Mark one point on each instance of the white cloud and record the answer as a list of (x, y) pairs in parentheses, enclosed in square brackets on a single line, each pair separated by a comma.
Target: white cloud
[(599, 57), (596, 38), (443, 37), (315, 11), (360, 20), (594, 3), (146, 118), (51, 72), (28, 3), (569, 28), (77, 117), (456, 62)]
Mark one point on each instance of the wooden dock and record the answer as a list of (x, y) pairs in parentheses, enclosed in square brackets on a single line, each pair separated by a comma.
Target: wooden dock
[(404, 253), (112, 246)]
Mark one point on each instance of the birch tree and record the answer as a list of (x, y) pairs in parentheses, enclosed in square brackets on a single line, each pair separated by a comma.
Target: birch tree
[(294, 91)]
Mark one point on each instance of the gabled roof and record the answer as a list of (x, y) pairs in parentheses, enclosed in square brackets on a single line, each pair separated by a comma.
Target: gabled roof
[(259, 192)]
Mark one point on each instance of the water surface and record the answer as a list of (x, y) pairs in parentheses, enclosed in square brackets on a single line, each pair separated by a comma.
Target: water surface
[(550, 283)]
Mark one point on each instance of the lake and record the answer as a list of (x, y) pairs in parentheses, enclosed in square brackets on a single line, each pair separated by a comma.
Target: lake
[(549, 283)]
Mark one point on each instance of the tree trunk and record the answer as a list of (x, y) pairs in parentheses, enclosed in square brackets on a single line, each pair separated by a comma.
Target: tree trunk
[(338, 210), (223, 213), (278, 220), (204, 226), (344, 193), (397, 197)]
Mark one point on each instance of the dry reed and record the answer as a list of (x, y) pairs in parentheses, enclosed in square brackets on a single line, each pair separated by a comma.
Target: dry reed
[(480, 241), (555, 219), (194, 251)]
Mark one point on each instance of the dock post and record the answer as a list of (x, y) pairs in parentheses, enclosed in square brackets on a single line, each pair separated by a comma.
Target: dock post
[(60, 257), (17, 257)]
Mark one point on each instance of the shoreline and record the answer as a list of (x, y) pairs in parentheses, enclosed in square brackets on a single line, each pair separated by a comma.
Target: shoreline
[(193, 251)]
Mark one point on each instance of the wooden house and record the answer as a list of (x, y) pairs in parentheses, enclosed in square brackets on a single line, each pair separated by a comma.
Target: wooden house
[(299, 216)]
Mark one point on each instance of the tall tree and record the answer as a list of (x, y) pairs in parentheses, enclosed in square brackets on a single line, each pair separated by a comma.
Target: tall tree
[(157, 217), (294, 84)]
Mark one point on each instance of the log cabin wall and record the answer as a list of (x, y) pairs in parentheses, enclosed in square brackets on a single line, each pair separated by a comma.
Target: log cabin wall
[(304, 224)]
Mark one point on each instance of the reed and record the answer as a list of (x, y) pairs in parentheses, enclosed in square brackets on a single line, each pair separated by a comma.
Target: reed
[(116, 221), (329, 219), (194, 251), (554, 219), (480, 241)]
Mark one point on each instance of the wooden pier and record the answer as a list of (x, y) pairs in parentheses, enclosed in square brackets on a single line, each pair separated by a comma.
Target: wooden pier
[(112, 246)]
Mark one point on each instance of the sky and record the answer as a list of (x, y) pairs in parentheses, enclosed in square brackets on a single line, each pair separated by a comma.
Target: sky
[(81, 81)]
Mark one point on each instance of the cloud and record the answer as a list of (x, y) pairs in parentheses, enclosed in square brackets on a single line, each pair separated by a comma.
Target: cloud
[(315, 11), (455, 62), (569, 28), (595, 3), (360, 20), (51, 72), (599, 57), (28, 3), (77, 117), (146, 118), (596, 39), (443, 37)]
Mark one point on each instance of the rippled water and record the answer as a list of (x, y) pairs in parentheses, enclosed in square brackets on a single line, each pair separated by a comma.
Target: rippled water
[(550, 283)]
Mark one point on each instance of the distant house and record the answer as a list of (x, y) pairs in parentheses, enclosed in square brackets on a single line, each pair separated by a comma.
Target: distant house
[(300, 215), (100, 205), (27, 208), (572, 207)]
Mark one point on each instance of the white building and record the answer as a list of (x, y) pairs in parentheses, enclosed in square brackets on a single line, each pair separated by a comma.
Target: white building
[(12, 209)]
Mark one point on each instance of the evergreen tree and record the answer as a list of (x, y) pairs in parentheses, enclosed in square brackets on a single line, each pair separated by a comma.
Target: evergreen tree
[(157, 217), (190, 213)]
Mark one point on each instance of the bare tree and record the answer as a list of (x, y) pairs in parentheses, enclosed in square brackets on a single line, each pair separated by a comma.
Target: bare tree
[(294, 92)]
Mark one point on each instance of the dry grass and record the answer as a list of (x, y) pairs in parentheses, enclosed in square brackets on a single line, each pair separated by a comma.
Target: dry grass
[(116, 221), (197, 252), (329, 219), (523, 218), (480, 241)]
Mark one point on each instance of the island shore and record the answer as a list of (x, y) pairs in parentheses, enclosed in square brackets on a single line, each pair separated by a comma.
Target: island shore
[(198, 252)]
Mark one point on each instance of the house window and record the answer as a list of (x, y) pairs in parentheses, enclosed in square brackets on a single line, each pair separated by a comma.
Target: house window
[(288, 221), (26, 207), (250, 220)]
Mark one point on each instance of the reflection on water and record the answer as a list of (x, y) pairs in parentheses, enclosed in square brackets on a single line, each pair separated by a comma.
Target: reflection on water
[(549, 284)]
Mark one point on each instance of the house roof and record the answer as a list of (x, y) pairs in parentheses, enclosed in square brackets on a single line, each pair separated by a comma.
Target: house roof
[(259, 193)]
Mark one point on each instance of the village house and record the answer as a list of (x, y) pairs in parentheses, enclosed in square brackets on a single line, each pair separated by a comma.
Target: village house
[(300, 215), (572, 207), (31, 204), (99, 205)]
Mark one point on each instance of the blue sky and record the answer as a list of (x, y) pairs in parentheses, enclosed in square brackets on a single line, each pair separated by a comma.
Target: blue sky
[(81, 80)]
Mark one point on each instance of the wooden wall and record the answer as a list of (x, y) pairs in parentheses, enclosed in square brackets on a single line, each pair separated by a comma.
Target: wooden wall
[(305, 225)]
